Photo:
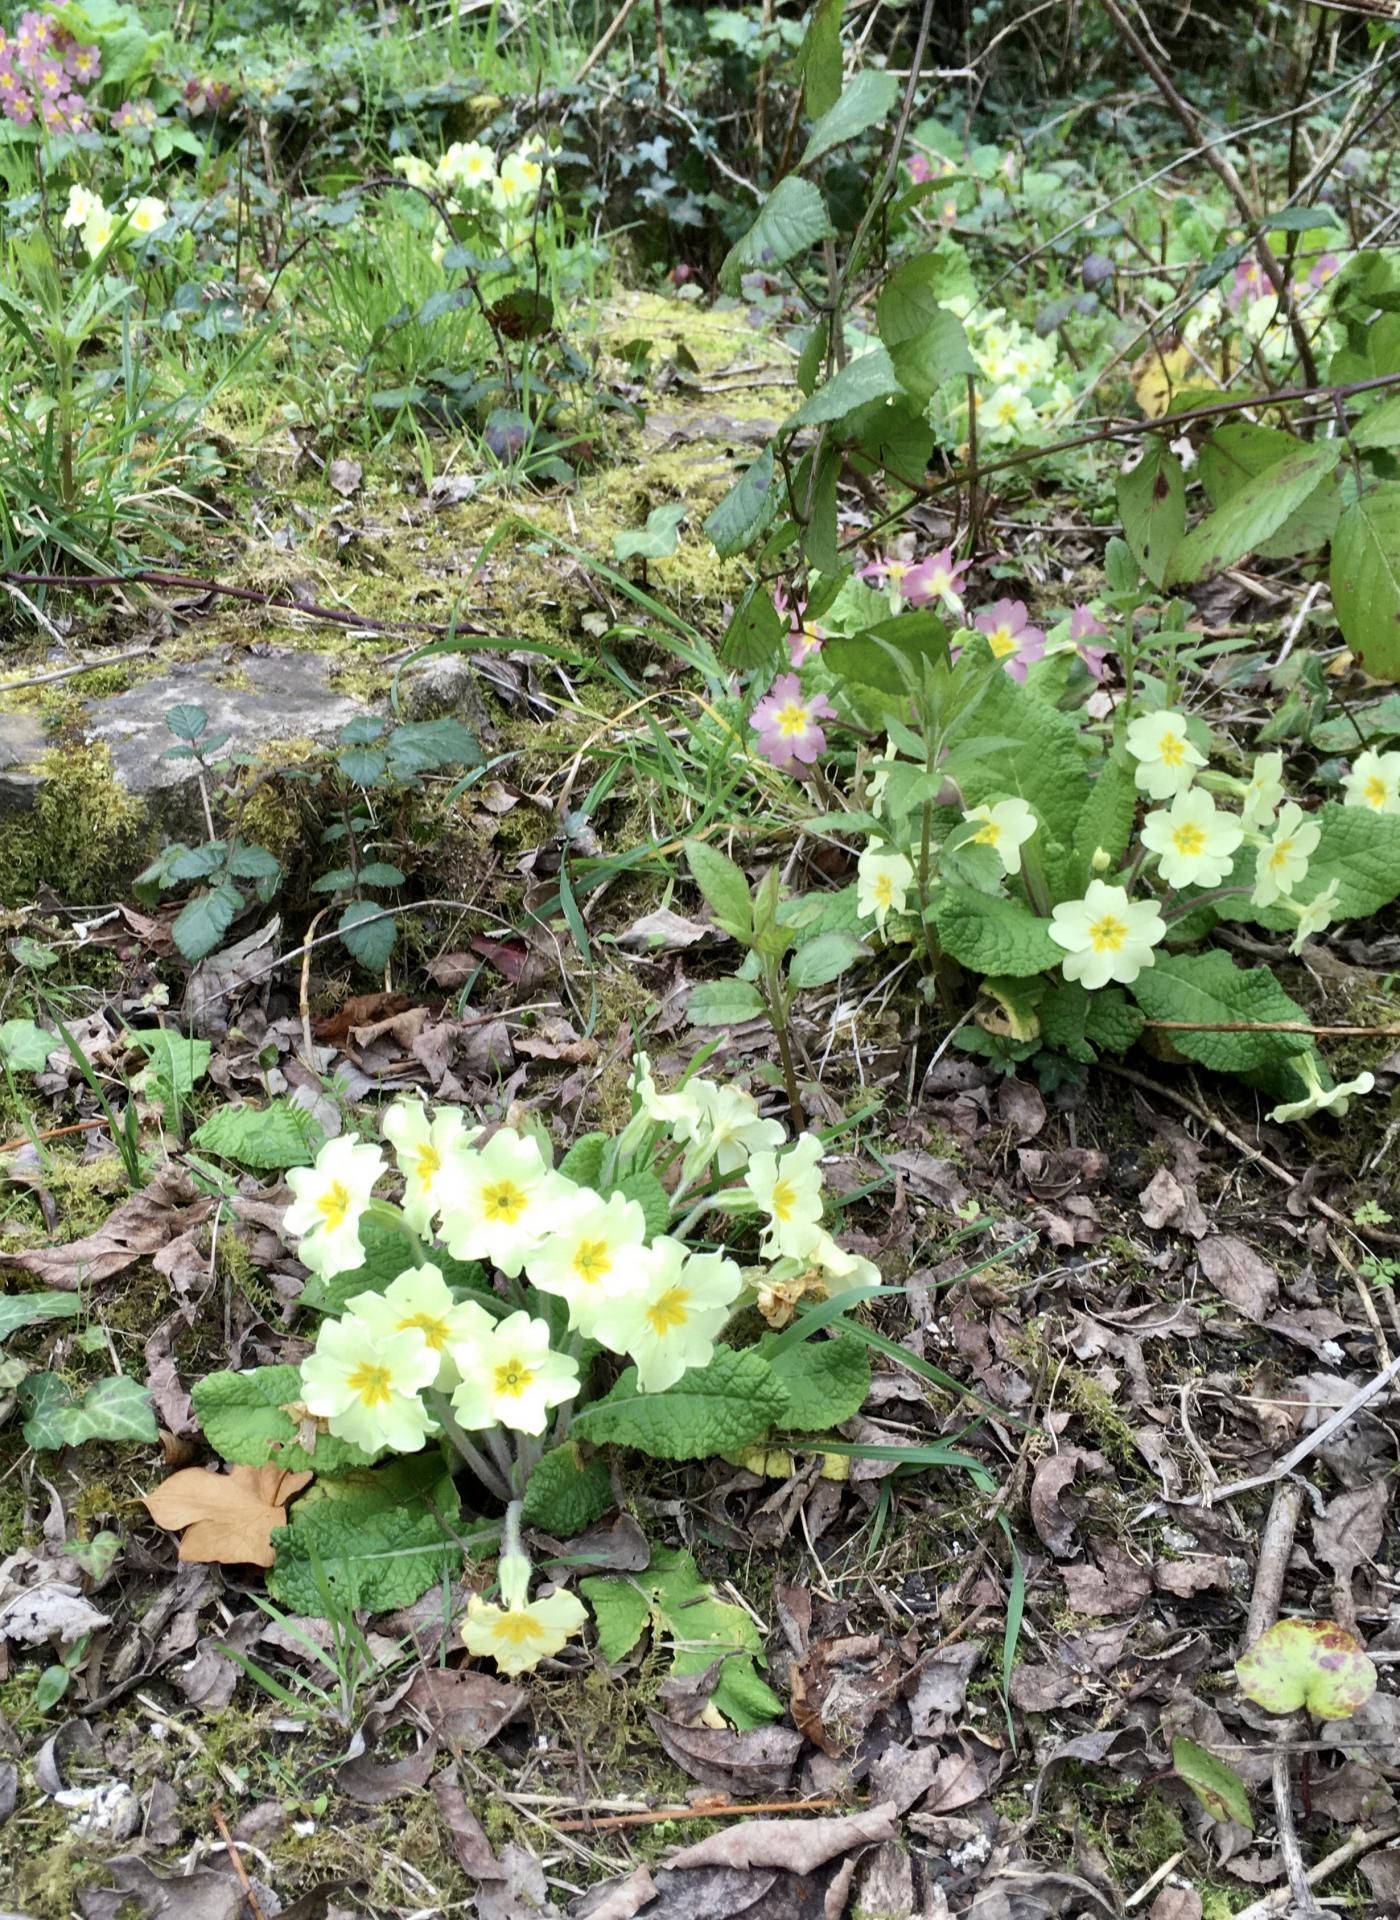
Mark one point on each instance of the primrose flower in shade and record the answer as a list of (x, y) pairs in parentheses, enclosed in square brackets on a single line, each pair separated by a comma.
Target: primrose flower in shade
[(518, 181), (329, 1200), (1374, 782), (675, 1311), (1320, 1099), (1005, 828), (919, 168), (415, 170), (467, 165), (1248, 284), (1284, 856), (420, 1301), (510, 1377), (518, 1637), (788, 1188), (1010, 636), (883, 879), (81, 207), (1194, 842), (1085, 624), (427, 1152), (366, 1384), (1106, 936), (1265, 790), (144, 216), (787, 722), (1313, 915), (590, 1255), (98, 229), (504, 1200), (1166, 759), (937, 580), (727, 1128), (1007, 414), (84, 63), (851, 1269)]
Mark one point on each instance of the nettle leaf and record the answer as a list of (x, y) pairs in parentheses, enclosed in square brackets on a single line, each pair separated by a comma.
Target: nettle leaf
[(368, 934), (28, 1309), (1152, 507), (1314, 1664), (792, 219), (25, 1048), (745, 511), (1240, 450), (723, 1003), (870, 376), (698, 1628), (657, 540), (1219, 1788), (1365, 577), (272, 1137), (375, 1539), (826, 1380), (927, 344), (242, 1418), (724, 886), (711, 1409), (203, 921), (567, 1493), (863, 104), (1258, 509), (992, 934), (1209, 987)]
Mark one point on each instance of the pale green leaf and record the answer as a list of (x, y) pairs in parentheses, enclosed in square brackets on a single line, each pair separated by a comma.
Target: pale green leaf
[(825, 958), (243, 1419), (991, 934), (25, 1048), (117, 1408), (657, 540), (271, 1137), (863, 104), (724, 886), (723, 1003), (870, 376), (792, 219), (1256, 510), (1210, 988), (1366, 580), (1219, 1788), (28, 1309)]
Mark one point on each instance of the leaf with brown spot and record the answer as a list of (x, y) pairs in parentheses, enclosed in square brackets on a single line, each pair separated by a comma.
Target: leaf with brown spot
[(1308, 1663), (228, 1518)]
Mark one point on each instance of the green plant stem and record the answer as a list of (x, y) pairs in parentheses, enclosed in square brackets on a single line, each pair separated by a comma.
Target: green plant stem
[(465, 1447), (390, 1216), (773, 1003)]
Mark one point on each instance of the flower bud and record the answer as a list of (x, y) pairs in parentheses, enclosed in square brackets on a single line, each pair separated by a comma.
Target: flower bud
[(1100, 861)]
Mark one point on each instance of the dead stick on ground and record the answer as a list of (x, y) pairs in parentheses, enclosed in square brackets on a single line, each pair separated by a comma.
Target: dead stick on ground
[(255, 1906), (606, 1822), (1274, 1904), (1272, 1026), (68, 673)]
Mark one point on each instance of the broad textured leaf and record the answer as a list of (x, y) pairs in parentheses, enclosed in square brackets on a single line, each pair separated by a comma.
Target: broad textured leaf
[(368, 933), (386, 1256), (1032, 753), (870, 376), (567, 1493), (271, 1137), (242, 1418), (650, 1196), (992, 934), (423, 746), (1152, 507), (1314, 1664), (1105, 821), (745, 511), (225, 1519), (203, 921), (821, 58), (1380, 427), (187, 720), (723, 1003), (1219, 1788), (792, 219), (28, 1309), (378, 1539), (1258, 509), (825, 958), (25, 1048), (657, 540), (584, 1160), (826, 1381), (1366, 580), (1209, 987), (724, 886), (711, 1409), (863, 104)]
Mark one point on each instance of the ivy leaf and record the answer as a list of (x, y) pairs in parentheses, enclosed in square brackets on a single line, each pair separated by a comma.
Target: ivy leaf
[(203, 921), (567, 1493), (792, 219), (1209, 987), (368, 934), (723, 1003), (1258, 509), (117, 1408), (1314, 1664), (28, 1309), (242, 1418), (745, 511), (1219, 1788), (25, 1048), (992, 934), (863, 104), (711, 1409), (825, 1380), (42, 1397), (1366, 580), (1152, 507), (270, 1138), (376, 1539)]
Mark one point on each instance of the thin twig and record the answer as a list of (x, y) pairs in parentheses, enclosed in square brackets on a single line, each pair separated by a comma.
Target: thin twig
[(255, 1906), (67, 673), (1274, 1904), (1271, 1568), (726, 1811)]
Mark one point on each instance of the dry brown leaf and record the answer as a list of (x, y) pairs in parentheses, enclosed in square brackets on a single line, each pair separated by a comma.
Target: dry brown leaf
[(228, 1518), (1235, 1270), (799, 1846), (170, 1206)]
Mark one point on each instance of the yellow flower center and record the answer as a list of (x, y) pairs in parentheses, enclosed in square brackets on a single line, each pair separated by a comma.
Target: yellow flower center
[(503, 1201), (1189, 838), (373, 1384), (1002, 641), (668, 1312), (592, 1261), (987, 835), (1280, 854), (1171, 749), (1006, 412), (512, 1378), (883, 890), (435, 1332), (334, 1204), (516, 1627), (792, 720), (784, 1200), (426, 1162), (1108, 934), (1375, 792)]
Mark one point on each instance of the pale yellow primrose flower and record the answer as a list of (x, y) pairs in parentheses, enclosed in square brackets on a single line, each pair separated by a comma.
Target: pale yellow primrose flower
[(420, 1301), (853, 1269), (1374, 782), (1262, 795), (726, 1128), (505, 1199), (1107, 937), (1319, 1099), (415, 170), (366, 1384), (883, 879), (1194, 842), (511, 1378), (81, 207), (1283, 858), (591, 1255), (144, 216), (788, 1188), (467, 165), (98, 229), (517, 1638), (428, 1153), (330, 1198), (1313, 915), (1167, 761), (669, 1322), (1005, 828)]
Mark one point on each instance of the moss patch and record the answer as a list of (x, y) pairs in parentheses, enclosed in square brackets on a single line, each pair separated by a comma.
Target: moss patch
[(84, 836)]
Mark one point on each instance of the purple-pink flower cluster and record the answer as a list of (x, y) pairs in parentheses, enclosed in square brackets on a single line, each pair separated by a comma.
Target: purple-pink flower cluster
[(43, 70)]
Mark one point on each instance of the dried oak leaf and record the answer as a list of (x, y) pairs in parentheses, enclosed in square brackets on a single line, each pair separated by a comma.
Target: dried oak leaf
[(228, 1518)]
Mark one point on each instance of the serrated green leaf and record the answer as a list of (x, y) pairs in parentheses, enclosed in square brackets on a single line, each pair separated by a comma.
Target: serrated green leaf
[(377, 1539), (24, 1047), (792, 219), (992, 934), (1219, 1788), (584, 1160), (177, 1062), (821, 58), (870, 376), (363, 766), (380, 873), (745, 512), (825, 1380), (272, 1137), (241, 1417), (424, 746), (1152, 507), (927, 344), (566, 1493), (1258, 509), (28, 1309), (724, 886), (368, 934), (862, 104), (202, 922), (1241, 450), (1209, 987), (187, 720), (1380, 427), (711, 1409), (825, 958), (1105, 820), (657, 540), (1366, 580), (723, 1003)]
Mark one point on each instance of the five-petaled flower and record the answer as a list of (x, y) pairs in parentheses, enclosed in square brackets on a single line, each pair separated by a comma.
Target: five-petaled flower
[(788, 722), (1374, 782), (1313, 915), (1284, 856), (329, 1200), (591, 1254), (788, 1188), (1265, 790), (429, 1154), (1005, 828), (1011, 637), (883, 879), (1166, 758), (518, 1637), (420, 1301), (1106, 935), (511, 1377), (671, 1317), (365, 1383), (1194, 842), (503, 1199)]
